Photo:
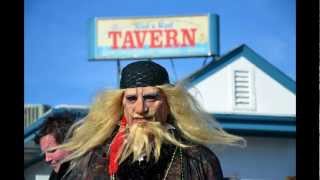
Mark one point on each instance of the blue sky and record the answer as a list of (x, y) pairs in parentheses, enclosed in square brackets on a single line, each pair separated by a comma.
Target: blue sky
[(56, 66)]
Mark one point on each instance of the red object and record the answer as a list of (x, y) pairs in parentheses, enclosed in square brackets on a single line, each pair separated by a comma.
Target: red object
[(115, 147), (157, 38)]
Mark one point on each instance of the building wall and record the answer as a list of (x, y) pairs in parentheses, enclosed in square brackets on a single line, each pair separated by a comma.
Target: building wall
[(215, 92), (264, 158)]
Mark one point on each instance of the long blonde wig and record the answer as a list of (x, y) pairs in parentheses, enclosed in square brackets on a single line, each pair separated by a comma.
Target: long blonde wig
[(193, 122), (97, 126), (188, 117)]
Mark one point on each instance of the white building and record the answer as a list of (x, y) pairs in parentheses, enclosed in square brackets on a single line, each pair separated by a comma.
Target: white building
[(252, 98)]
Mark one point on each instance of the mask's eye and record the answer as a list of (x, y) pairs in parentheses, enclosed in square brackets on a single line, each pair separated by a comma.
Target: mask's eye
[(131, 98), (151, 97)]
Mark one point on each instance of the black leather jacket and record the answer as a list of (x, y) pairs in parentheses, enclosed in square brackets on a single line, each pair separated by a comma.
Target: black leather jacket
[(194, 163), (63, 169), (198, 163)]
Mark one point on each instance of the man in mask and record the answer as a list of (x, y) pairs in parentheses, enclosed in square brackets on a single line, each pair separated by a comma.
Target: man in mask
[(147, 129)]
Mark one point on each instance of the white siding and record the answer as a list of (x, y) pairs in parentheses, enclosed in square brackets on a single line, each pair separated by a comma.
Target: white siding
[(263, 158), (214, 92), (273, 98), (42, 177), (270, 97)]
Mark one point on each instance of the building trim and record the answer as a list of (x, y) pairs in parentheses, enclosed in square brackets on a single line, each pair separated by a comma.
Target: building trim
[(241, 51), (282, 126)]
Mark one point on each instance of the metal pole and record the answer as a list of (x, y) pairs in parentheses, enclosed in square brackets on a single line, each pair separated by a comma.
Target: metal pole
[(174, 70), (118, 72), (204, 62)]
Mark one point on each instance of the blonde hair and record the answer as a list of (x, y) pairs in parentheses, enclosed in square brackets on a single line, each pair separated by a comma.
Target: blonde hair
[(188, 117), (138, 141), (193, 122), (97, 126)]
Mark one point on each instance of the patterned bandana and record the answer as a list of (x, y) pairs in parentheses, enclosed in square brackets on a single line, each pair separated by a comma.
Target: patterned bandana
[(142, 74)]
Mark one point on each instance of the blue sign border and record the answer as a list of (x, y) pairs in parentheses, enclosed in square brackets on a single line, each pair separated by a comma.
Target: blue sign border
[(205, 50)]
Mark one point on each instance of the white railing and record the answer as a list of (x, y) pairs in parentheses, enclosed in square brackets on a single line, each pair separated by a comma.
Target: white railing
[(32, 112)]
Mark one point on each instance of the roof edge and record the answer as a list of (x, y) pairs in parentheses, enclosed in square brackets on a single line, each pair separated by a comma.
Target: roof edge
[(252, 56)]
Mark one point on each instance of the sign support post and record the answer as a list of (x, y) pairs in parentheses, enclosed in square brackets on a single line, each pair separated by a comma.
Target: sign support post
[(118, 72)]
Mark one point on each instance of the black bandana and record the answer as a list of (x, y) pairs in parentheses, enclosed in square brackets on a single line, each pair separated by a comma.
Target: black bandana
[(142, 74)]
